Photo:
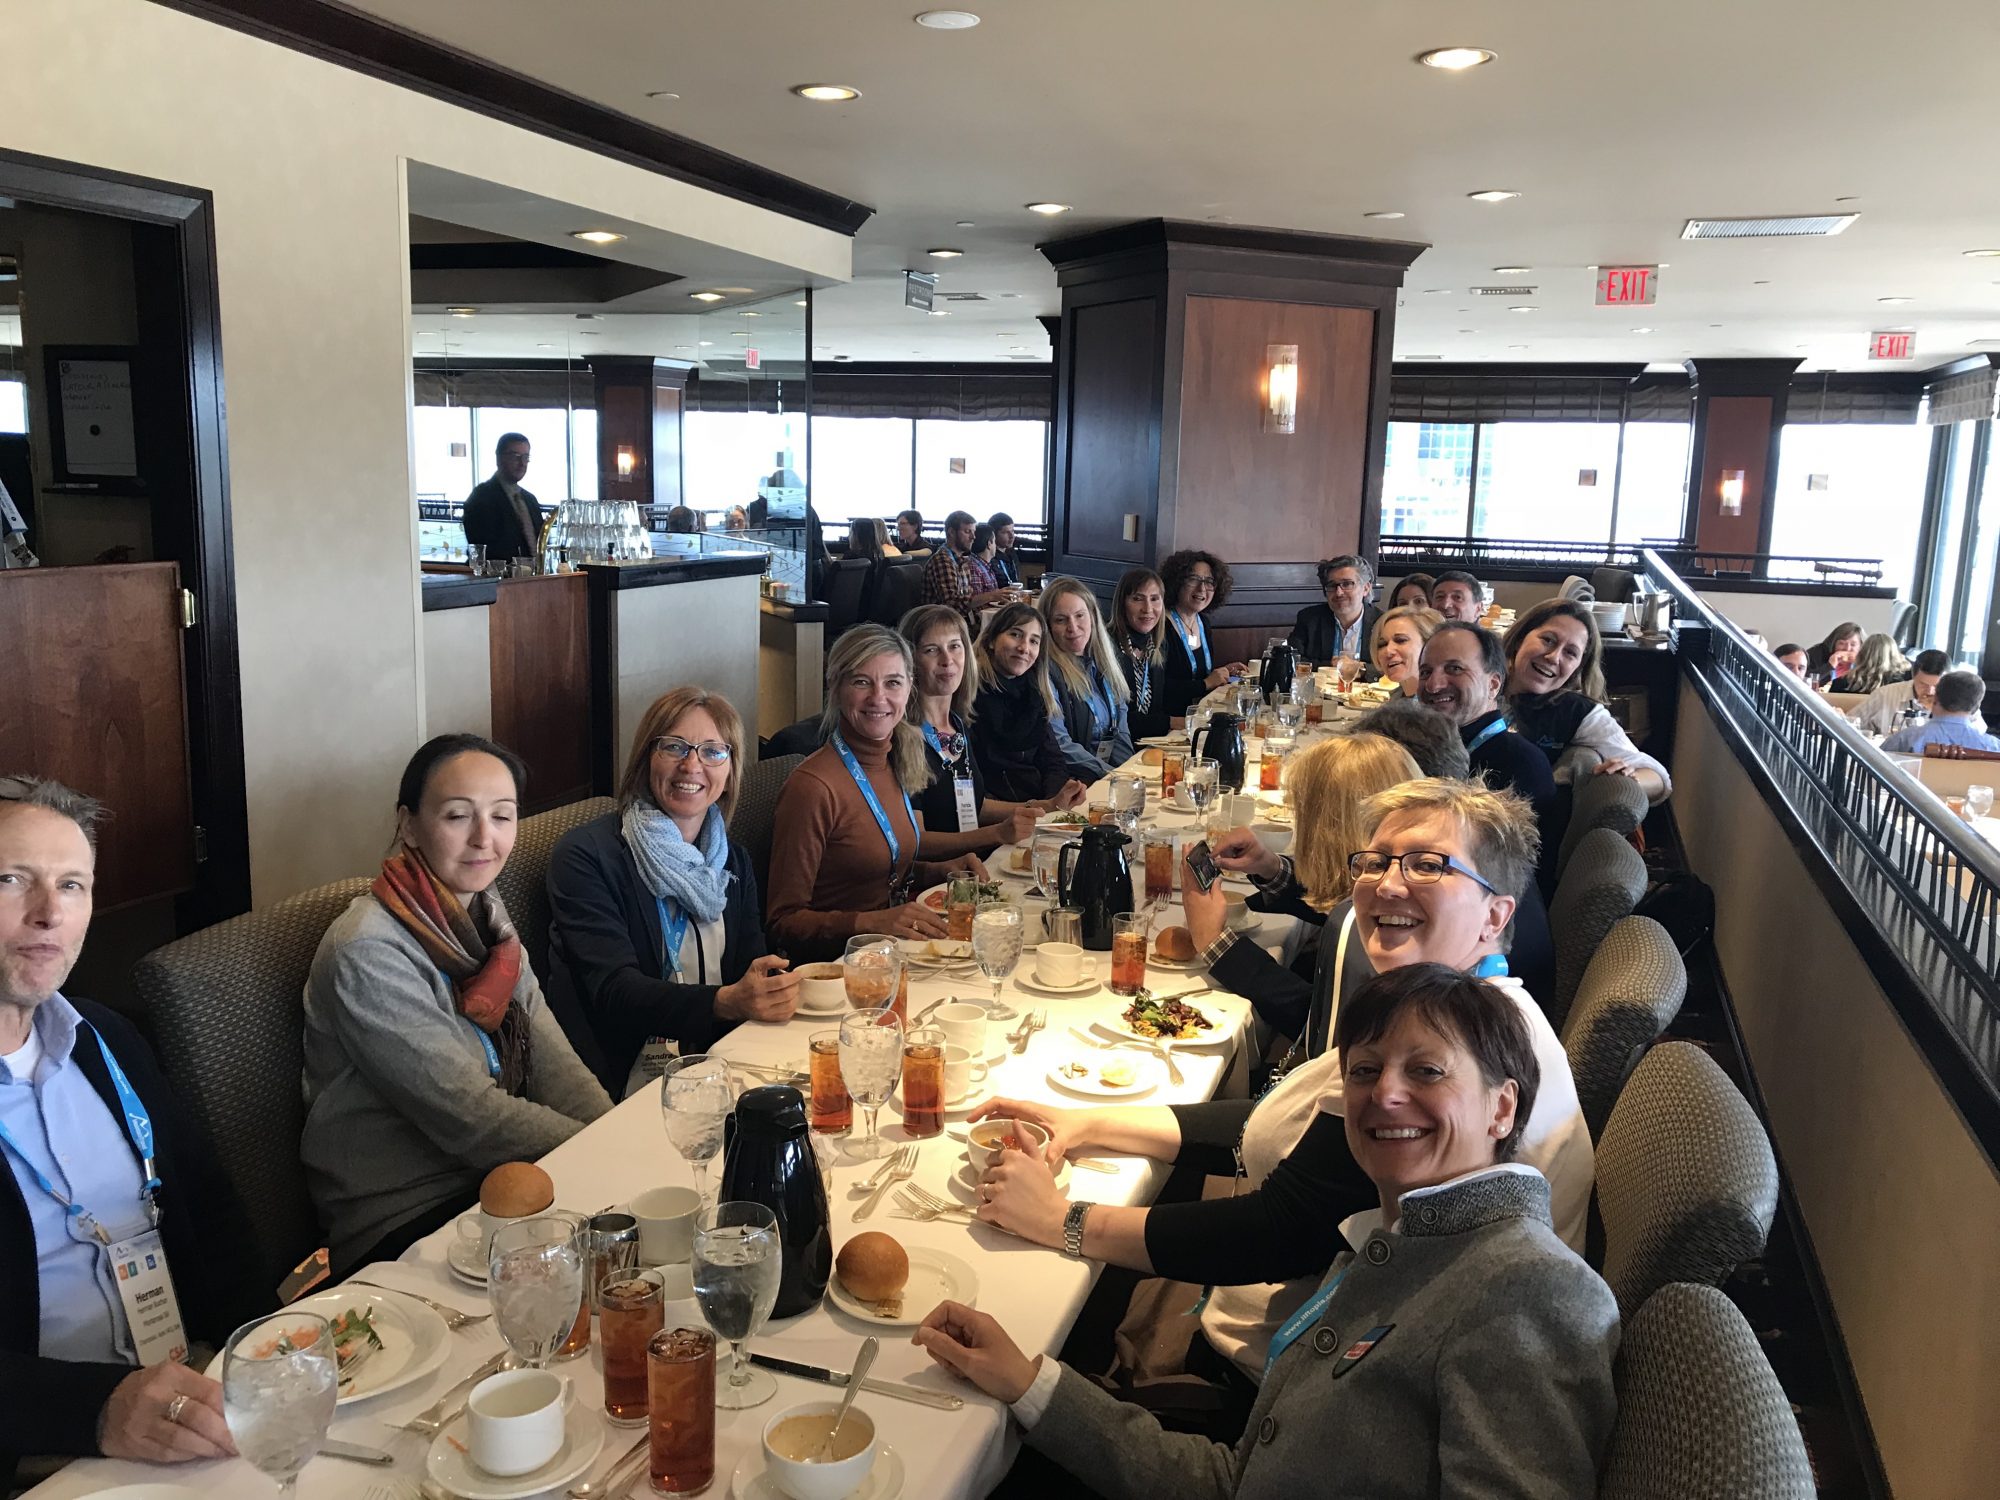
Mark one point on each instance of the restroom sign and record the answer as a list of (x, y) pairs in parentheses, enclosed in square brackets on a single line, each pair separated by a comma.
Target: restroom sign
[(1627, 286)]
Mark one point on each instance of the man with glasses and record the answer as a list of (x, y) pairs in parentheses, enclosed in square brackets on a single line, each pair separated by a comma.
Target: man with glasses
[(948, 576), (104, 1173), (1345, 624), (500, 515)]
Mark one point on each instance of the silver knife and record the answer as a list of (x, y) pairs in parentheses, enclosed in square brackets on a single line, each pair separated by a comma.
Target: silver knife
[(896, 1388), (354, 1453)]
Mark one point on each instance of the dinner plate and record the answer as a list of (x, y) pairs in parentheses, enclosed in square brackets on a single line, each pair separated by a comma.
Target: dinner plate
[(1027, 981), (463, 1259), (148, 1492), (918, 955), (935, 1276), (1163, 742), (752, 1479), (1219, 1030), (450, 1465), (415, 1340), (1147, 1074)]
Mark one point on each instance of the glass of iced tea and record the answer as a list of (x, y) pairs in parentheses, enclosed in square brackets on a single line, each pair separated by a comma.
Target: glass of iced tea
[(1160, 855), (1172, 763), (631, 1308), (961, 905), (831, 1111), (1272, 766), (1128, 953), (870, 969), (923, 1081), (680, 1392)]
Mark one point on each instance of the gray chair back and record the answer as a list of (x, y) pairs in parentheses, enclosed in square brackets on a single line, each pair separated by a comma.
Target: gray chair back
[(1686, 1182), (1604, 881), (227, 1008), (757, 813), (1630, 994), (1701, 1416), (523, 883), (899, 588), (1614, 802)]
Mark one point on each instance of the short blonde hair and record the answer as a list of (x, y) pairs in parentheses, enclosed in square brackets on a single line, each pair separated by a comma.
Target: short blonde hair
[(920, 622), (1499, 826), (1423, 619), (667, 710), (1326, 787)]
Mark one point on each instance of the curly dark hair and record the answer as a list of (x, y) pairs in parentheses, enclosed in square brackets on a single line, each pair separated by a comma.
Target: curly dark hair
[(1178, 567)]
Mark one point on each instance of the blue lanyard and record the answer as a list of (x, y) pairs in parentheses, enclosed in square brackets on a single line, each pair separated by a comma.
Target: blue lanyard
[(875, 803), (138, 1127), (485, 1041), (1100, 704), (673, 932), (937, 744), (1493, 966), (1201, 663), (1289, 1331), (1498, 726)]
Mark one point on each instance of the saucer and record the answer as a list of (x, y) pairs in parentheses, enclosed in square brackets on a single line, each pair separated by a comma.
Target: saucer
[(752, 1480), (965, 1181), (451, 1466), (1029, 982), (462, 1256)]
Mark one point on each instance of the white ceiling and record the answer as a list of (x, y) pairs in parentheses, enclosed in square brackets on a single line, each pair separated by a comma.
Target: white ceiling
[(1615, 123)]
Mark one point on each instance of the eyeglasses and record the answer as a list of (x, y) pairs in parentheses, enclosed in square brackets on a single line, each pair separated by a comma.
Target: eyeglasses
[(1201, 585), (1419, 867), (712, 752)]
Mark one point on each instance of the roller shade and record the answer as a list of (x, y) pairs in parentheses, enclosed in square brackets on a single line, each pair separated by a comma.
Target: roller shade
[(1538, 398), (555, 390), (1966, 397), (1853, 398), (952, 398)]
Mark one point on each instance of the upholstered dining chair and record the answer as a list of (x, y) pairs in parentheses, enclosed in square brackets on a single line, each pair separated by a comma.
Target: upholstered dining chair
[(1701, 1416), (1686, 1182), (227, 1008), (523, 881), (1604, 881), (1629, 994), (757, 812), (1614, 802)]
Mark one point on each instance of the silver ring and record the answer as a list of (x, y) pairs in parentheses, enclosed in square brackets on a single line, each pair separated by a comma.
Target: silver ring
[(175, 1407)]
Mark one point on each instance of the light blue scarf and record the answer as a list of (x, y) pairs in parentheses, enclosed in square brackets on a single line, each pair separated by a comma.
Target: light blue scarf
[(693, 877)]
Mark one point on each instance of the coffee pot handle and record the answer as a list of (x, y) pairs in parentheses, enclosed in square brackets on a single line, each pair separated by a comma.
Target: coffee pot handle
[(1065, 872), (1195, 741)]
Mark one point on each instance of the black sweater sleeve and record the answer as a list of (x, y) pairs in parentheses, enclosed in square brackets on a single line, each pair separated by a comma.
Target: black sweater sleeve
[(1289, 1227), (1280, 998)]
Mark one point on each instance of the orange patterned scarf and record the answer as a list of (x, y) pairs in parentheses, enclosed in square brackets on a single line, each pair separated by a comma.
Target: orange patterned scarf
[(476, 950)]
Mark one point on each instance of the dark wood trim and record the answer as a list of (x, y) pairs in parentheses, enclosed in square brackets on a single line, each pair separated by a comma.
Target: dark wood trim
[(1189, 245), (1521, 370), (440, 365), (1963, 366), (620, 577), (458, 593), (333, 33), (1011, 369)]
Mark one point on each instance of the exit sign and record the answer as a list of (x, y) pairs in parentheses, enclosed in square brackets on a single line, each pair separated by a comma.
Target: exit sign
[(752, 360), (1892, 346), (1627, 286)]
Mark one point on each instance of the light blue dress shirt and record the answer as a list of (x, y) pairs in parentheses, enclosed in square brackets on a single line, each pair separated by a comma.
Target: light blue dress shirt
[(61, 1122), (1912, 741)]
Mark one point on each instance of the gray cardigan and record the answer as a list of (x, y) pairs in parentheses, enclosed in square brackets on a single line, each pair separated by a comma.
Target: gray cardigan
[(1493, 1379), (401, 1114)]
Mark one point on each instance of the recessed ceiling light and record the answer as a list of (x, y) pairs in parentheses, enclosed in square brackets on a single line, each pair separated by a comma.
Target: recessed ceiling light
[(1520, 309), (662, 94), (1017, 349), (706, 296), (588, 333), (684, 346), (1051, 209), (948, 20), (1436, 291), (1512, 270), (1893, 301), (826, 93), (1642, 330), (1010, 296), (940, 312), (738, 333), (800, 303), (708, 343), (1455, 59), (1386, 213), (965, 224), (1981, 254), (748, 314), (1493, 195), (461, 312), (1517, 346), (545, 346), (597, 236), (944, 252)]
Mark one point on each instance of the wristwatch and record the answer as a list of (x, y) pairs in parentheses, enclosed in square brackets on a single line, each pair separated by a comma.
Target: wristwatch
[(1073, 1229)]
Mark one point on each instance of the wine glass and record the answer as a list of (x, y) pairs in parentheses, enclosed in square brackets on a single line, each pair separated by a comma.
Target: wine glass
[(872, 970), (737, 1258), (1978, 803), (871, 1062), (696, 1095), (534, 1279), (280, 1380), (996, 943), (1199, 777)]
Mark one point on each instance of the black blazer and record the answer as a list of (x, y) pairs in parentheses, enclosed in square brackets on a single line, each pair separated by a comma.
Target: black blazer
[(605, 981), (52, 1405), (1313, 631), (1154, 718), (492, 522), (1511, 762), (1014, 743), (1183, 684)]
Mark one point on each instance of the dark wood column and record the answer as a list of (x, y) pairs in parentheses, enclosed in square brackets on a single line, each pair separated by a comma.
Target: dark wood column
[(639, 415), (1160, 374), (1739, 415)]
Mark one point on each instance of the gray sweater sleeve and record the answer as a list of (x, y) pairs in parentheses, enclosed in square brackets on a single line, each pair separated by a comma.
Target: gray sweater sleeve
[(1084, 1426)]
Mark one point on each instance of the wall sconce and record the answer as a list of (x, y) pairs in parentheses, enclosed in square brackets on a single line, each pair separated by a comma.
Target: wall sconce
[(1732, 492), (627, 462), (1281, 388)]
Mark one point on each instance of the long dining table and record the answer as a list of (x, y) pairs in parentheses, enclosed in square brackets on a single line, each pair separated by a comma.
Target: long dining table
[(1036, 1293)]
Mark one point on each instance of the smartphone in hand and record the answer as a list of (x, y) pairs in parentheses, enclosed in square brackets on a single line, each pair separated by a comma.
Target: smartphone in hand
[(1201, 864)]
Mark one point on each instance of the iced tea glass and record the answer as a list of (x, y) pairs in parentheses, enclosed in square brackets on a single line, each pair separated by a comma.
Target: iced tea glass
[(923, 1081), (1270, 770), (1172, 764), (961, 904), (631, 1308), (680, 1396), (832, 1111), (1160, 854), (1128, 953), (871, 969)]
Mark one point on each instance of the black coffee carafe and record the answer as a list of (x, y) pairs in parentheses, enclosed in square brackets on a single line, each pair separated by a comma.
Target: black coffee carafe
[(768, 1159), (1222, 742), (1095, 876), (1281, 666)]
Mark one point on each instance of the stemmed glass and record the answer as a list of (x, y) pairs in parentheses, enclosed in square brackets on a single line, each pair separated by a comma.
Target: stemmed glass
[(1199, 778), (1048, 869), (534, 1279), (696, 1095), (871, 1062), (872, 969), (737, 1259), (996, 943), (280, 1380)]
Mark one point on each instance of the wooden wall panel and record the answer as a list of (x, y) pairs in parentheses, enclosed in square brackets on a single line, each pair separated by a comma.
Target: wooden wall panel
[(1255, 496), (1737, 435), (667, 487), (1114, 446), (539, 648), (96, 700)]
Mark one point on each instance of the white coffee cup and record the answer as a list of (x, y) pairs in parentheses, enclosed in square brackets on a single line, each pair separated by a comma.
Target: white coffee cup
[(666, 1218), (1062, 964), (514, 1420), (963, 1025), (476, 1229), (961, 1071)]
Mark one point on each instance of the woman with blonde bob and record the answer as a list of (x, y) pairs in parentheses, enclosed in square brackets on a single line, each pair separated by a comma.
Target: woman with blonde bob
[(656, 931), (1555, 697), (1397, 647), (1087, 690)]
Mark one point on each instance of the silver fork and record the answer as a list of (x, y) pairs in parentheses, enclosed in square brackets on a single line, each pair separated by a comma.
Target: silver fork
[(902, 1166), (453, 1318), (916, 1208), (936, 1201)]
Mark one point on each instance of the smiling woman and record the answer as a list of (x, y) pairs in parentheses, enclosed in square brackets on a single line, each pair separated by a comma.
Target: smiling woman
[(1012, 734), (1554, 693)]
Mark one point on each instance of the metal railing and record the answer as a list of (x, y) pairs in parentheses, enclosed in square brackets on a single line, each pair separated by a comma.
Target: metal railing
[(1930, 884), (1400, 553)]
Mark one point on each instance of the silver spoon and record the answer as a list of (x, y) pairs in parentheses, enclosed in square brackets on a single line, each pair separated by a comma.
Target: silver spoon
[(862, 1361)]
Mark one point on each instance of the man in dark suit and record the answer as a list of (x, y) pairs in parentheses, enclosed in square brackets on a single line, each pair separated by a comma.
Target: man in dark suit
[(1345, 624), (499, 515), (103, 1173)]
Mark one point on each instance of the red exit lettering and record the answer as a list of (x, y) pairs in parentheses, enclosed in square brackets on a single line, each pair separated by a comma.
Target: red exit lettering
[(1892, 346), (1627, 286)]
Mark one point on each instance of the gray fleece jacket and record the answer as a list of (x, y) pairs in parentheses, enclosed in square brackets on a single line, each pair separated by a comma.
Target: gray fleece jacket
[(401, 1113)]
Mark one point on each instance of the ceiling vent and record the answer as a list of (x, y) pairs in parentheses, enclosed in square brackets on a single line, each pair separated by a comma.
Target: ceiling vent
[(961, 296), (1807, 226), (1510, 290)]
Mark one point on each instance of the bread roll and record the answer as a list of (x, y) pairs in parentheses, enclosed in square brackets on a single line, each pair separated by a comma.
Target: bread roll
[(1153, 755), (515, 1189), (1175, 944), (873, 1267)]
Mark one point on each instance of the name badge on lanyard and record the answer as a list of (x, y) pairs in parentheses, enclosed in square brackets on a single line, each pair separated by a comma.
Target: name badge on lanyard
[(963, 798)]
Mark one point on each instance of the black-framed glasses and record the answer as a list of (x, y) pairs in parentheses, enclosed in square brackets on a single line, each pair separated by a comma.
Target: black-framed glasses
[(712, 752), (1200, 584), (1419, 866)]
